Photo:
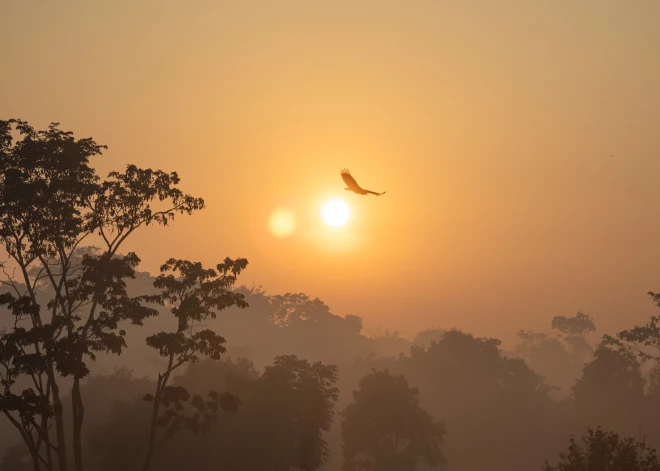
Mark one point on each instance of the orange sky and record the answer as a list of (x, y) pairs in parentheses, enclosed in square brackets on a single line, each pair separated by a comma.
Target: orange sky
[(518, 143)]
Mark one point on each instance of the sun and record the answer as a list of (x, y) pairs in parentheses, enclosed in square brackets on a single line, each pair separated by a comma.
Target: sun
[(335, 213)]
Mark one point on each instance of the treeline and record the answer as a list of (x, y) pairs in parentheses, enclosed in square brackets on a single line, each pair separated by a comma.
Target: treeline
[(106, 367), (330, 400)]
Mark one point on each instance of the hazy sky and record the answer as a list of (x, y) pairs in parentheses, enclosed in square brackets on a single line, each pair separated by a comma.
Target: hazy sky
[(518, 142)]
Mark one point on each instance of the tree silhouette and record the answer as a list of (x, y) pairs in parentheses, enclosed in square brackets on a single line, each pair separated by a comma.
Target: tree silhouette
[(611, 389), (291, 324), (548, 356), (425, 337), (51, 200), (385, 428), (193, 297), (606, 451), (641, 341), (575, 331), (299, 397), (467, 381)]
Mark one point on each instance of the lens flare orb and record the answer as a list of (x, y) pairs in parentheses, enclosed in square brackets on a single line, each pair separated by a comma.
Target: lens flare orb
[(282, 223)]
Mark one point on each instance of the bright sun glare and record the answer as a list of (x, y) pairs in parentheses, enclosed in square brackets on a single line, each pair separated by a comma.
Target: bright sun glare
[(335, 213)]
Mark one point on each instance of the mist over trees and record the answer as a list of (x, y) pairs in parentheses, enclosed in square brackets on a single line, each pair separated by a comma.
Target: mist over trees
[(107, 367)]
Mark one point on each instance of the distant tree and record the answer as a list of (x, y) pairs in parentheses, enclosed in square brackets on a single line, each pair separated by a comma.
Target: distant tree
[(561, 357), (312, 329), (613, 372), (291, 324), (386, 429), (579, 325), (299, 397), (549, 357), (51, 201), (530, 342), (611, 389), (606, 451), (476, 389), (575, 331), (425, 337), (290, 308), (390, 344), (196, 295)]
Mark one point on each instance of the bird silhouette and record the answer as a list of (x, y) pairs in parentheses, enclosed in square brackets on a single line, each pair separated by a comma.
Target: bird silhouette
[(353, 185)]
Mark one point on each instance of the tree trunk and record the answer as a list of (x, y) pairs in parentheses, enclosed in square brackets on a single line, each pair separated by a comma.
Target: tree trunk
[(160, 386), (78, 415), (152, 426), (59, 422), (36, 464), (46, 440)]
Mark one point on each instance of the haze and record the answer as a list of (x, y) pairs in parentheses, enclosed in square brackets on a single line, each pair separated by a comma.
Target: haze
[(518, 145), (517, 141)]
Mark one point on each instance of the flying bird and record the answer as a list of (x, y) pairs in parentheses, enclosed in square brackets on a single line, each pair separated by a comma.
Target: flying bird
[(353, 185)]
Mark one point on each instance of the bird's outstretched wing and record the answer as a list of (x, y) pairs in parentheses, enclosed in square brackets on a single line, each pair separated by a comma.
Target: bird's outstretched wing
[(349, 180), (353, 185)]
